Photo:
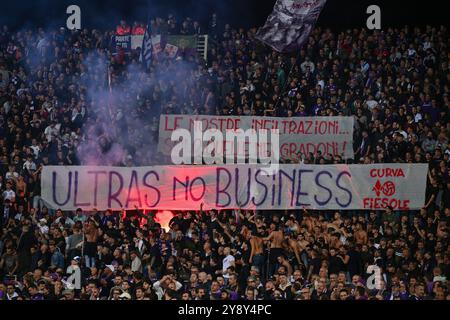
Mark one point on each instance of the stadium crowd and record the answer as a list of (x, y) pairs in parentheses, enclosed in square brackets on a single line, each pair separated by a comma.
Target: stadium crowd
[(67, 98)]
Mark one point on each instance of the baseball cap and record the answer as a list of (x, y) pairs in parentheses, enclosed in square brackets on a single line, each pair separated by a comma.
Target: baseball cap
[(125, 295), (439, 278), (255, 268), (67, 291), (110, 267)]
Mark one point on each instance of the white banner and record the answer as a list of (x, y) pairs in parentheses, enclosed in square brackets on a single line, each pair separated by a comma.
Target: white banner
[(298, 135), (136, 41), (334, 187)]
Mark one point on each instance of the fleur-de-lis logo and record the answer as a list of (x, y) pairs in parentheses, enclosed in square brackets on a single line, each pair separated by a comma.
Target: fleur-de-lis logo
[(377, 188)]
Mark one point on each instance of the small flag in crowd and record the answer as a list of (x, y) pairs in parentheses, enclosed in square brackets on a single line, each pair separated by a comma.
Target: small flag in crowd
[(156, 42), (171, 50), (287, 28)]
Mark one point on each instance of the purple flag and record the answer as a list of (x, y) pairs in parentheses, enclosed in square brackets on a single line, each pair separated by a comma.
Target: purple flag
[(290, 24)]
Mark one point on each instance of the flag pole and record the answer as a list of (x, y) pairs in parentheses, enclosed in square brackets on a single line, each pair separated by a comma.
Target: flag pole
[(82, 248)]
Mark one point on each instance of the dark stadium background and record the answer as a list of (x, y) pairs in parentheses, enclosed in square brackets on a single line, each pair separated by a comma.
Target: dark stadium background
[(245, 13)]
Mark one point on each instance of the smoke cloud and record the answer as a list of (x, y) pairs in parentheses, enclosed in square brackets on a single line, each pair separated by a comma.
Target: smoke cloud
[(123, 104)]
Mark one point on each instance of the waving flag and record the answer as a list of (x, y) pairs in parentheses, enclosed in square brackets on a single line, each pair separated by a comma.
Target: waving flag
[(287, 28), (147, 47)]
